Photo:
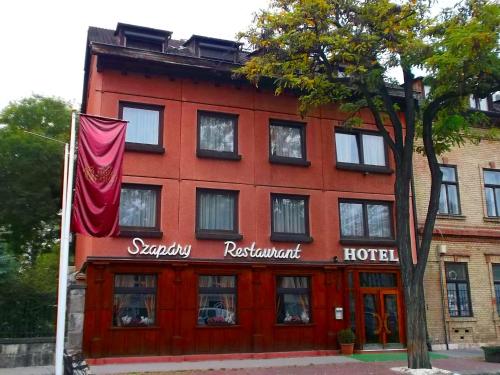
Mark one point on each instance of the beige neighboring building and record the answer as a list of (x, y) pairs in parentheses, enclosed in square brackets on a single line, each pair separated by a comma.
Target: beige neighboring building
[(462, 280)]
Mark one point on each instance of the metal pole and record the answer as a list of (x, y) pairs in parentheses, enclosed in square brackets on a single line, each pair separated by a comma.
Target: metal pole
[(63, 257)]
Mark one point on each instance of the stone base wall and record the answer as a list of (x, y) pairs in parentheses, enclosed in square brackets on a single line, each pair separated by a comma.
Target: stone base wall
[(27, 352), (75, 314)]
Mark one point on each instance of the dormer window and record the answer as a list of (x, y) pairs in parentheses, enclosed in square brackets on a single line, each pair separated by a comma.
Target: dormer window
[(143, 38), (144, 43), (213, 48)]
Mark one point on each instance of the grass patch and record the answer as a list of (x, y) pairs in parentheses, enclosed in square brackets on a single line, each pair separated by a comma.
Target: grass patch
[(383, 357)]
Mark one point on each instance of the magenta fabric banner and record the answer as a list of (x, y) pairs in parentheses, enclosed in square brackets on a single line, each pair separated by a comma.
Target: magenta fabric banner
[(101, 143)]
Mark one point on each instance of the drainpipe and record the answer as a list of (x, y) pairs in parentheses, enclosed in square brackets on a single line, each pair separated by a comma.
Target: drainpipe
[(443, 313)]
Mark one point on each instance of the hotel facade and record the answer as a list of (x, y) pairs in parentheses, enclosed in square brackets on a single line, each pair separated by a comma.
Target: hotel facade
[(243, 226)]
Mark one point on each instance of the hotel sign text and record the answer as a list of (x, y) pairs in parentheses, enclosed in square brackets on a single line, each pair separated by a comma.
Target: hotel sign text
[(381, 255)]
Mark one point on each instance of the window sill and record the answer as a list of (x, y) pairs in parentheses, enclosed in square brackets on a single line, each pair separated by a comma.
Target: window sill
[(140, 233), (218, 326), (283, 237), (492, 219), (364, 168), (451, 217), (367, 241), (134, 328), (289, 161), (218, 236), (208, 154), (142, 147), (457, 319), (289, 325)]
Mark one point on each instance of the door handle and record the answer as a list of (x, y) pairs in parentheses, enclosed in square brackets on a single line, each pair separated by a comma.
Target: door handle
[(387, 330), (379, 320)]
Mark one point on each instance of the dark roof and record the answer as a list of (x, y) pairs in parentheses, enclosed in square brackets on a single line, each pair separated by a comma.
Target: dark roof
[(174, 47)]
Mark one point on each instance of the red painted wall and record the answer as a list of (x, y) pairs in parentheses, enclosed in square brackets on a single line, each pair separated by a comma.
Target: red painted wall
[(179, 171)]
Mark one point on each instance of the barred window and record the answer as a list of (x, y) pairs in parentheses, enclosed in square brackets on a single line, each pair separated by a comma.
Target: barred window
[(457, 284)]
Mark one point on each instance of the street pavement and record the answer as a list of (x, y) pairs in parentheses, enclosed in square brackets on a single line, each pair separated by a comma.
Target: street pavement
[(464, 362)]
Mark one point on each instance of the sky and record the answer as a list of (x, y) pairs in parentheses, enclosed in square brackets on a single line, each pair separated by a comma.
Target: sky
[(43, 41)]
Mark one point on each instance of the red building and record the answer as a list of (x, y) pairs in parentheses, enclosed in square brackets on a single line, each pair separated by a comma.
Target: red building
[(244, 227)]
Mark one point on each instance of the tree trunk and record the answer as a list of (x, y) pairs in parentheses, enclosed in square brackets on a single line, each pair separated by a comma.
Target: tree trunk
[(416, 330), (413, 286)]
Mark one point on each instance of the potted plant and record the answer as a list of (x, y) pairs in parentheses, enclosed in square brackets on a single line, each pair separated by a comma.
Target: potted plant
[(346, 339), (491, 353)]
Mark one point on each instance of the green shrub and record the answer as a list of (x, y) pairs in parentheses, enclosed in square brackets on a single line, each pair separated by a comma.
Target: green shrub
[(346, 336)]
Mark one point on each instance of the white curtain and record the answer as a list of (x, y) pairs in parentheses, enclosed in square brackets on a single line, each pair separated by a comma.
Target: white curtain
[(138, 208), (288, 215), (347, 148), (286, 141), (142, 125), (443, 200), (379, 222), (373, 150), (351, 219), (216, 211), (216, 133)]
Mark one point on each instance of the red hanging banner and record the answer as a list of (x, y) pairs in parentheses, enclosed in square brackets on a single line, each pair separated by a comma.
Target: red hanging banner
[(101, 143)]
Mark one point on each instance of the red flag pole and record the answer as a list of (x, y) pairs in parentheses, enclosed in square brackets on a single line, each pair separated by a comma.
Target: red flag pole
[(69, 163)]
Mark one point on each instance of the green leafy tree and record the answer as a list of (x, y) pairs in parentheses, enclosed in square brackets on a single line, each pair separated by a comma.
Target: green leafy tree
[(31, 173), (343, 51)]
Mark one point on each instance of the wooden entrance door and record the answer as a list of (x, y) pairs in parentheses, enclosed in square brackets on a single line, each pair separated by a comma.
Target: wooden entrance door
[(381, 319)]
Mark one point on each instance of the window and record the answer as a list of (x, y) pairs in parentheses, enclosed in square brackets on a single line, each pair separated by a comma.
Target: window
[(134, 302), (144, 127), (290, 218), (492, 192), (377, 280), (139, 210), (217, 300), (150, 44), (449, 203), (457, 283), (287, 143), (360, 150), (293, 300), (496, 282), (217, 214), (217, 135), (365, 220)]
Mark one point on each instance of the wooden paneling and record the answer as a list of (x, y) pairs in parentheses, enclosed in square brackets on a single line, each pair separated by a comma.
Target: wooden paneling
[(176, 331)]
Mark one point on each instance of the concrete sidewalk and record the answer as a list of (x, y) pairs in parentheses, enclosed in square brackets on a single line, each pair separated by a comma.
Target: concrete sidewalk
[(469, 361)]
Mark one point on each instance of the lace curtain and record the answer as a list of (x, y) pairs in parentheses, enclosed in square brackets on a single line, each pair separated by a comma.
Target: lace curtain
[(143, 125), (379, 222), (216, 133), (292, 300), (346, 148), (351, 219), (216, 211), (138, 208), (215, 307), (373, 150), (289, 215), (286, 141), (134, 300)]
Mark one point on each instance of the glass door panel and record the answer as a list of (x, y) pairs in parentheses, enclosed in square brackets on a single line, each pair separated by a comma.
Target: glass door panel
[(372, 319), (391, 319)]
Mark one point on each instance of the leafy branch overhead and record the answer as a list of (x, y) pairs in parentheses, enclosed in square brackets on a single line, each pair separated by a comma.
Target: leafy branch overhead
[(338, 50)]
